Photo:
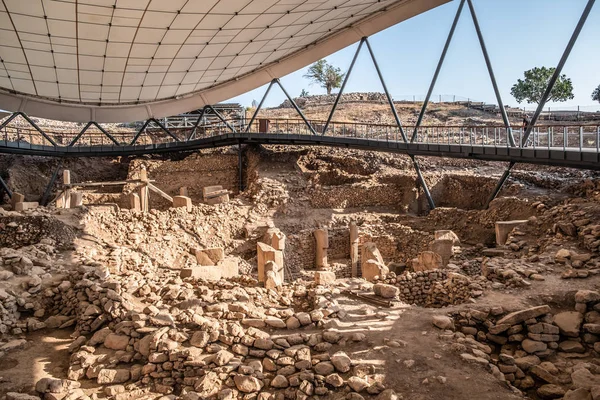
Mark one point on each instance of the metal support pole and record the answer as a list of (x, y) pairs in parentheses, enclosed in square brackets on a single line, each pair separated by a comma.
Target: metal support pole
[(423, 183), (559, 68), (30, 121), (438, 69), (296, 107), (48, 190), (76, 138), (491, 71), (231, 128), (137, 135), (240, 167), (111, 137), (168, 132), (86, 127), (4, 186), (385, 89), (260, 105), (193, 132), (339, 96), (501, 182)]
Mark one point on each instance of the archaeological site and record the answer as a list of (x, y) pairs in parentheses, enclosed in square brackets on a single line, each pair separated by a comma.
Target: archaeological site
[(266, 271)]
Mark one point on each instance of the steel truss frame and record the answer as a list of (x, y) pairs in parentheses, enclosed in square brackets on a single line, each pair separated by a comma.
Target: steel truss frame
[(365, 41)]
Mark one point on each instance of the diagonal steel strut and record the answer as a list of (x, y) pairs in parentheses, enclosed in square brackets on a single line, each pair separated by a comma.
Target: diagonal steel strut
[(488, 63), (437, 70), (339, 95), (559, 67)]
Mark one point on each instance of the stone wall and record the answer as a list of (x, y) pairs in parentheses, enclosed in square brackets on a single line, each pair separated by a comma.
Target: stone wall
[(19, 231), (324, 99), (194, 172), (436, 288)]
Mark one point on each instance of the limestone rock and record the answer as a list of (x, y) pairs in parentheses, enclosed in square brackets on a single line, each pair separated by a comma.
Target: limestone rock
[(247, 384), (341, 361), (443, 322), (569, 323), (518, 317), (386, 291)]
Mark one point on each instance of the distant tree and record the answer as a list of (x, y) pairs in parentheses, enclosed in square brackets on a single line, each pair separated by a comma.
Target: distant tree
[(325, 75), (596, 94), (532, 88), (303, 93), (254, 104)]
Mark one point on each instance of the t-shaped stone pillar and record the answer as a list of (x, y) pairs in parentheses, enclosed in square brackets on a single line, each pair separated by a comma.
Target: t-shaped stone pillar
[(266, 253), (322, 244), (354, 248)]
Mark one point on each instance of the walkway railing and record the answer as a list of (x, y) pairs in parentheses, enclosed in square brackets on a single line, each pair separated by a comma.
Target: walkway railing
[(568, 137)]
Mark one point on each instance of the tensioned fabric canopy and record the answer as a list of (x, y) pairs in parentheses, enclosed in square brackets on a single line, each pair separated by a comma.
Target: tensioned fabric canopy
[(127, 60)]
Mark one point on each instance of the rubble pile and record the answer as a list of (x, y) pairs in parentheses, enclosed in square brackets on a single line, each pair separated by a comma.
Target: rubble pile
[(535, 350)]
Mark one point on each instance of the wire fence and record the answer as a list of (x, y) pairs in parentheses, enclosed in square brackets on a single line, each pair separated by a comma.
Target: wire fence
[(451, 98)]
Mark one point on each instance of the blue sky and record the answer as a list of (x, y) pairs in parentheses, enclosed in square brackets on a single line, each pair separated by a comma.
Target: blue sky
[(519, 34)]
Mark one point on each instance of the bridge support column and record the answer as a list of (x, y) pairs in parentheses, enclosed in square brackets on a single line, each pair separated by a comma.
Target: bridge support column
[(4, 187), (46, 196), (240, 168), (500, 183), (423, 183)]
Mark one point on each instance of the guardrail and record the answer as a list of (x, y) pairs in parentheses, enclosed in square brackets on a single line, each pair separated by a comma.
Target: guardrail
[(571, 137)]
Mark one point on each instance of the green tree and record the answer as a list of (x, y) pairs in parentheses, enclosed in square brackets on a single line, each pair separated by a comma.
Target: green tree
[(304, 93), (596, 94), (325, 75), (532, 88)]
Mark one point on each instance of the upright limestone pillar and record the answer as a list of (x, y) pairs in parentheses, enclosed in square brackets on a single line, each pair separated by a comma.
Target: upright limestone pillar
[(354, 248), (322, 244), (144, 198)]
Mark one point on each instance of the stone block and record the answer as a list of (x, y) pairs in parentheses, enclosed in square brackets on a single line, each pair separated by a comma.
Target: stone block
[(427, 261), (134, 202), (372, 269), (447, 234), (275, 238), (210, 189), (182, 202), (209, 256), (267, 253), (229, 267), (324, 277), (207, 272), (443, 247), (223, 198), (503, 228), (26, 205), (76, 199), (16, 198)]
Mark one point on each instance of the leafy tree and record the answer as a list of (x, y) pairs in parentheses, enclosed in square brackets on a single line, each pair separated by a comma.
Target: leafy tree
[(303, 93), (325, 75), (596, 94), (532, 88)]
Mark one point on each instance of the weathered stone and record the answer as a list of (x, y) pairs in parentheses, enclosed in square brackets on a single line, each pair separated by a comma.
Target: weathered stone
[(341, 361), (279, 382), (324, 277), (569, 323), (518, 317), (550, 391), (334, 380), (578, 394), (443, 322), (532, 346), (582, 378), (116, 342), (571, 346), (504, 228), (386, 291), (587, 296), (357, 384), (110, 376), (247, 384)]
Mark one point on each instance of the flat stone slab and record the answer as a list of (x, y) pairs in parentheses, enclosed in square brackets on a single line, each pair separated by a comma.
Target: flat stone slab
[(518, 317)]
